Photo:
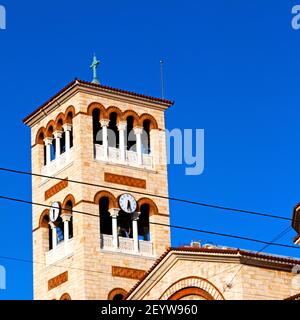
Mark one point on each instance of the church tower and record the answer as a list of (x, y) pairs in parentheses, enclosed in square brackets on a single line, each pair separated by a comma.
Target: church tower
[(99, 156)]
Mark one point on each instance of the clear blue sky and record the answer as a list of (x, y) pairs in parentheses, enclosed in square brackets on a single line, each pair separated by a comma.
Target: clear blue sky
[(233, 68)]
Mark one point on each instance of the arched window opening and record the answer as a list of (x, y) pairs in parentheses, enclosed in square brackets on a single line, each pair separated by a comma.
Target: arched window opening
[(52, 146), (143, 223), (63, 142), (130, 136), (69, 120), (105, 218), (124, 225), (65, 297), (146, 137), (118, 297), (113, 132), (63, 138), (96, 127), (117, 294), (68, 210), (60, 230)]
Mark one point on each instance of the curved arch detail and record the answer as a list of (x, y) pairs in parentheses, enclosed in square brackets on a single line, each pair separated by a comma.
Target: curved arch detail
[(152, 206), (112, 199), (115, 292), (206, 287), (147, 116)]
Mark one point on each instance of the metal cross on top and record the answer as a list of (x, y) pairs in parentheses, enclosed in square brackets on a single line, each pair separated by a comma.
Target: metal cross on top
[(94, 67)]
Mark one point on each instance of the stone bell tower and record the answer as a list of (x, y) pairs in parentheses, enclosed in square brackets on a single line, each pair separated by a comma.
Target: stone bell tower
[(102, 156)]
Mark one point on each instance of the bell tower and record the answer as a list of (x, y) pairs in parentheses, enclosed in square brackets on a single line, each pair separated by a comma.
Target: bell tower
[(101, 154)]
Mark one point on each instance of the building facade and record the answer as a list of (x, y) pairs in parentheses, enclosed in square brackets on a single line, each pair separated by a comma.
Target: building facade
[(101, 214), (84, 245)]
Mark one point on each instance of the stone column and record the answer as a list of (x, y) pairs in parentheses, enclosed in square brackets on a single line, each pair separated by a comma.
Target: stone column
[(57, 136), (48, 143), (138, 132), (135, 233), (114, 212), (122, 127), (104, 125), (66, 219), (54, 234), (68, 128)]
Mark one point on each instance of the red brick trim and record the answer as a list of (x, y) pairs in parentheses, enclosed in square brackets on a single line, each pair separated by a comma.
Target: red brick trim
[(191, 291), (128, 273), (124, 180), (58, 280), (56, 188)]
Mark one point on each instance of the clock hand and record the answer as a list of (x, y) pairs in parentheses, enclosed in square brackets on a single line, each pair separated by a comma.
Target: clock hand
[(128, 205)]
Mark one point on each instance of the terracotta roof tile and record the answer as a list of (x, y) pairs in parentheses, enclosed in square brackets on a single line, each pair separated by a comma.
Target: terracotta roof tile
[(103, 87)]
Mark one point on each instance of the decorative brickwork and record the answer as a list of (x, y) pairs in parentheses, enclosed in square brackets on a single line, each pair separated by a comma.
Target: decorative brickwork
[(128, 273), (125, 181), (56, 188), (58, 280)]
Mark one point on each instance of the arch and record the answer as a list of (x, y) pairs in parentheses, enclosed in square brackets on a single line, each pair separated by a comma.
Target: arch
[(112, 200), (44, 219), (65, 296), (59, 121), (152, 206), (117, 292), (68, 198), (40, 136), (206, 289), (116, 110), (131, 113), (50, 129), (97, 105), (147, 116), (191, 291), (69, 114)]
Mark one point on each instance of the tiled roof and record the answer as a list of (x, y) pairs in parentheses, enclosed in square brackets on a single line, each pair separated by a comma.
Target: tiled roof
[(221, 251), (104, 88)]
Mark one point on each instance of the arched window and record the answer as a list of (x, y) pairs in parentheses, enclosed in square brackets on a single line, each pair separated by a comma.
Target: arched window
[(65, 296), (113, 132), (117, 294), (60, 230), (52, 148), (124, 225), (46, 231), (146, 137), (130, 136), (69, 120), (63, 138), (68, 210), (96, 126), (105, 218), (143, 223)]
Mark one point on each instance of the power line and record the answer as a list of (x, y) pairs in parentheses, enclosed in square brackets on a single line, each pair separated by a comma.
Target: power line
[(279, 236), (274, 216), (162, 224)]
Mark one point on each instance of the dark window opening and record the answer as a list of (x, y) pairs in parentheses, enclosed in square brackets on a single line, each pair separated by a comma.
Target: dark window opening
[(143, 223), (105, 218), (131, 139), (113, 132), (146, 137), (124, 225)]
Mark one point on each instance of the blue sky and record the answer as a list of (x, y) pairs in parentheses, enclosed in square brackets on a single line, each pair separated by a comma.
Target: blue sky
[(233, 68)]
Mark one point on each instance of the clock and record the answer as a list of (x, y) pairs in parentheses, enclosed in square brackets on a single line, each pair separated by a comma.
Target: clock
[(127, 203), (54, 211)]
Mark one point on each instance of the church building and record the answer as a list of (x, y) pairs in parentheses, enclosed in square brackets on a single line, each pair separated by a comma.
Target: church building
[(100, 170)]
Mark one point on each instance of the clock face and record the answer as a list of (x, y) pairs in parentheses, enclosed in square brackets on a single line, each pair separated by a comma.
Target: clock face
[(54, 211), (128, 203)]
